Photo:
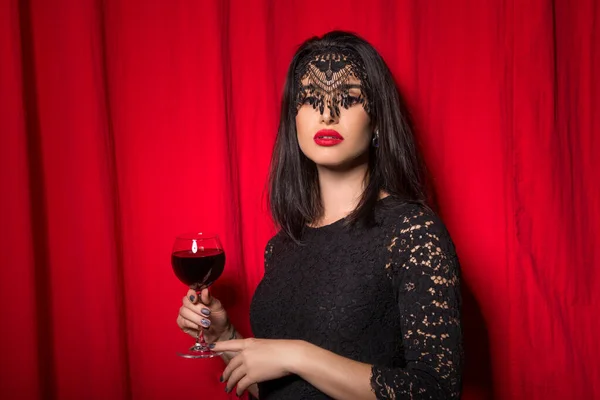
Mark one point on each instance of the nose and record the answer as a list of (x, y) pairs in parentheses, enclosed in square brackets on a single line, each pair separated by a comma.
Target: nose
[(329, 117)]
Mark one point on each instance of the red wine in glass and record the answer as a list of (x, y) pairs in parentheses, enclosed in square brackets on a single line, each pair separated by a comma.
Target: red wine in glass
[(198, 259)]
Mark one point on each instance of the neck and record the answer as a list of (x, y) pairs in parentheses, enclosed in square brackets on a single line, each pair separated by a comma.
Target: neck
[(340, 191)]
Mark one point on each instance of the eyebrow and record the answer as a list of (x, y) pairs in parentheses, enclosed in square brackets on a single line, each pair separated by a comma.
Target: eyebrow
[(353, 86), (345, 86)]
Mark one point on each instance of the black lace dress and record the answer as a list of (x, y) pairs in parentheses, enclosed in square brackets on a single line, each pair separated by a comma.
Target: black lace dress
[(387, 295)]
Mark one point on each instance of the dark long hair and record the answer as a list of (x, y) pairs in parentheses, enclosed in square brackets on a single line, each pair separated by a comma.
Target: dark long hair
[(395, 166)]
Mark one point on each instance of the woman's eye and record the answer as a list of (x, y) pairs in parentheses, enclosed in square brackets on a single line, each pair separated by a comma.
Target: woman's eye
[(351, 100)]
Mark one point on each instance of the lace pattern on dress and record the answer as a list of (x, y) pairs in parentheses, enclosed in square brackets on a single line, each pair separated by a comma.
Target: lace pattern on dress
[(424, 269)]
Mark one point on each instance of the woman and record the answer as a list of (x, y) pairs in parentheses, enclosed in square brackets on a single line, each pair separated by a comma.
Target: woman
[(360, 298)]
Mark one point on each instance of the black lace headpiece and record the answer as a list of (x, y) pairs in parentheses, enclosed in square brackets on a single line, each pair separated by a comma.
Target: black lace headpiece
[(326, 74)]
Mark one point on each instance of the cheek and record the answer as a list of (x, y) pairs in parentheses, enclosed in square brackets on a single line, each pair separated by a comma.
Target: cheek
[(358, 122), (363, 141), (303, 123)]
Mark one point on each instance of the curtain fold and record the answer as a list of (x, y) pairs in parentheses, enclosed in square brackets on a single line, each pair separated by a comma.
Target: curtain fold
[(123, 124)]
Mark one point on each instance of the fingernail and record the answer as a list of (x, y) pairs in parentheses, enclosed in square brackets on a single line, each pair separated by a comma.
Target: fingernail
[(212, 346), (221, 378), (226, 390), (205, 323), (192, 298), (205, 311)]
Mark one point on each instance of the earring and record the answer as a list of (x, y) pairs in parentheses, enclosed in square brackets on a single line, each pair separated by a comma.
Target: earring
[(375, 141)]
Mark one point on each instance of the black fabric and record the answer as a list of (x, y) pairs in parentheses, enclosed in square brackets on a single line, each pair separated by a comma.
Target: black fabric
[(387, 295)]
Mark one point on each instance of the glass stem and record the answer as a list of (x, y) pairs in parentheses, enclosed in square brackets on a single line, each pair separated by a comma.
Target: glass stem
[(200, 342), (200, 339)]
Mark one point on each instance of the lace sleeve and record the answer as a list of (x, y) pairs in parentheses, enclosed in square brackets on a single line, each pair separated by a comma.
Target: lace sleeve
[(425, 272)]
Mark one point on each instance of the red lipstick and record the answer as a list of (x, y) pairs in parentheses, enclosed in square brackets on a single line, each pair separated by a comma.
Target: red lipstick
[(328, 137)]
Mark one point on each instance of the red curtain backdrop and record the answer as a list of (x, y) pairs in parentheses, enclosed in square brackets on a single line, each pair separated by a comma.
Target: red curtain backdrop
[(124, 123)]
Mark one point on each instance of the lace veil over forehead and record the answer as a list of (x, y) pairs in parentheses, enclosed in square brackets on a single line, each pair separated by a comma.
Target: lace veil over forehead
[(326, 76)]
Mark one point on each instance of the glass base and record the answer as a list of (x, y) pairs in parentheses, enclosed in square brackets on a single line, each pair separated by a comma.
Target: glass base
[(199, 351)]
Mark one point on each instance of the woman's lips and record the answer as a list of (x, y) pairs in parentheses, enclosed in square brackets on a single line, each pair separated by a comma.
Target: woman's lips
[(328, 137)]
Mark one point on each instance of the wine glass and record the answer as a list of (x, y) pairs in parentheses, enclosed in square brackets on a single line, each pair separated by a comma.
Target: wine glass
[(198, 260)]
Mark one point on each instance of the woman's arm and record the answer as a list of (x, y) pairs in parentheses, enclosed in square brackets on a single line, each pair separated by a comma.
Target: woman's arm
[(334, 375), (425, 271)]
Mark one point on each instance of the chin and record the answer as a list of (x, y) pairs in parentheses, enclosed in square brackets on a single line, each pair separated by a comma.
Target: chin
[(326, 158), (335, 157), (335, 163)]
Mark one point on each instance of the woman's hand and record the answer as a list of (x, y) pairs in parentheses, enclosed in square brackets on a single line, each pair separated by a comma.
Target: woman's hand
[(258, 360), (204, 312)]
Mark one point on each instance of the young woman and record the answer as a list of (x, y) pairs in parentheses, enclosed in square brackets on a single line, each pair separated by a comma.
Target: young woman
[(360, 298)]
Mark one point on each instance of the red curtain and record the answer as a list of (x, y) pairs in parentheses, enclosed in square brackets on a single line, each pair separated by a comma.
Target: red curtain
[(124, 123)]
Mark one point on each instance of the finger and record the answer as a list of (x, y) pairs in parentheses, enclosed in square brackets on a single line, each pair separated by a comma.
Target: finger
[(204, 301), (192, 316), (243, 385), (192, 332), (192, 296), (231, 345), (185, 323), (197, 308), (187, 326), (235, 377), (206, 297), (234, 364)]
